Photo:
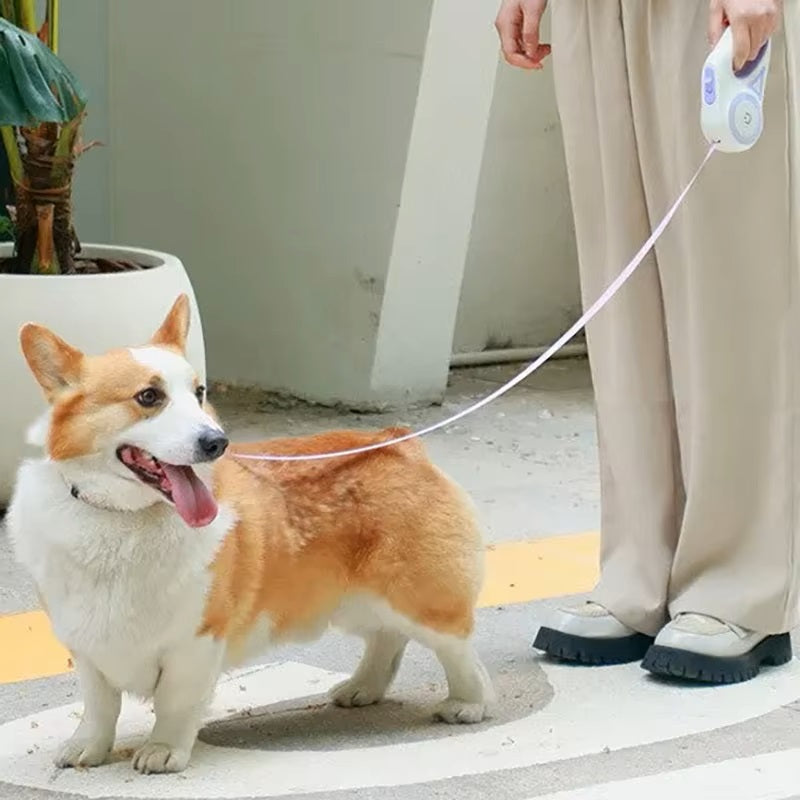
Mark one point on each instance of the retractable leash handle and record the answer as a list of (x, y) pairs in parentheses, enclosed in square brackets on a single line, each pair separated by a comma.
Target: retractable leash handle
[(731, 110)]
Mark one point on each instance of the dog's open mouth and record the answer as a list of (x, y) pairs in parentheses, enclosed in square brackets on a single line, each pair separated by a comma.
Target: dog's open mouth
[(178, 483)]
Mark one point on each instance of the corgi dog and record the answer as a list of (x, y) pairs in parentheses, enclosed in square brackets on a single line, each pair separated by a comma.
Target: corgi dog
[(163, 560)]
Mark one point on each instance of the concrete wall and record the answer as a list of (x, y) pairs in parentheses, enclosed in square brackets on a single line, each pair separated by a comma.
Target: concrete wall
[(267, 147), (521, 283), (84, 47)]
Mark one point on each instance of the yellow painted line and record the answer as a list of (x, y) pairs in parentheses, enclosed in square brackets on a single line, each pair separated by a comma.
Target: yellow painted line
[(28, 648), (516, 572)]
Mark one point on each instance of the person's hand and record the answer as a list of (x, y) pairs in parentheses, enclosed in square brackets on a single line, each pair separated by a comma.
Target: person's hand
[(752, 23), (518, 24)]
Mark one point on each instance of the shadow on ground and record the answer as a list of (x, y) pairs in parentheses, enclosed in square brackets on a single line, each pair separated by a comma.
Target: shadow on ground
[(312, 723)]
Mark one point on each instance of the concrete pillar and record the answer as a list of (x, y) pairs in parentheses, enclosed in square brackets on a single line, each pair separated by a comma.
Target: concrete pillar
[(437, 204)]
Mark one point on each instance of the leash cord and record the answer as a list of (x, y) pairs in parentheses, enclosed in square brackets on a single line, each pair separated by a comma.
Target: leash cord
[(578, 326)]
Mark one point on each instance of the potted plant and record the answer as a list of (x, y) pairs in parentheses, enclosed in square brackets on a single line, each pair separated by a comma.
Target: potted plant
[(98, 296)]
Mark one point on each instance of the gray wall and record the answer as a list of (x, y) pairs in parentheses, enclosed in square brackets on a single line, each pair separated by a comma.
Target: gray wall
[(521, 281), (84, 48), (265, 146)]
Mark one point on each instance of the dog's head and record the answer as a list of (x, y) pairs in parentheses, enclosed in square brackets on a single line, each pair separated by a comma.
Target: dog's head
[(132, 422)]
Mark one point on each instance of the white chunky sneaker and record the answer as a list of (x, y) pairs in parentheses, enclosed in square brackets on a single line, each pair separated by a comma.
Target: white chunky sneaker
[(589, 633), (701, 648)]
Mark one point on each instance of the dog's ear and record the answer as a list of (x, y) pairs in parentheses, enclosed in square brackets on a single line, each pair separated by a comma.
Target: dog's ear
[(175, 328), (55, 364)]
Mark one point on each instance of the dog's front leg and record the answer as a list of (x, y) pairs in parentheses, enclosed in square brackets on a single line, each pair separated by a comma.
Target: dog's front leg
[(92, 741), (188, 676)]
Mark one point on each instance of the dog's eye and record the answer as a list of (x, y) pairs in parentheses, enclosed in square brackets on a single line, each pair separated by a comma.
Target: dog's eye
[(149, 397), (200, 394)]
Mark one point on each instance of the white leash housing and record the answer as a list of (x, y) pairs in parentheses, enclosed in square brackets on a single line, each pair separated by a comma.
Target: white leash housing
[(731, 110)]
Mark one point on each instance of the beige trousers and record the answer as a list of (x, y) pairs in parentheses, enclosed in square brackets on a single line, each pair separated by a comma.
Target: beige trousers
[(696, 365)]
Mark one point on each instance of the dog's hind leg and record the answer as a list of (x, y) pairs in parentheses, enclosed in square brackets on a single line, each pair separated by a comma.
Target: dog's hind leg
[(378, 667), (470, 687)]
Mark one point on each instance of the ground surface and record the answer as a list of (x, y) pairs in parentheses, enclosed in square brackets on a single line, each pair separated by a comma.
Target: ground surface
[(558, 733)]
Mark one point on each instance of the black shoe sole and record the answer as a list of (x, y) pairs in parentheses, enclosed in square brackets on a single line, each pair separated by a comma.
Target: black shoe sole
[(671, 662), (592, 651)]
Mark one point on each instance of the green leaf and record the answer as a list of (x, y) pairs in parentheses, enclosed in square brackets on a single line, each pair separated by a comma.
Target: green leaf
[(35, 85), (6, 230)]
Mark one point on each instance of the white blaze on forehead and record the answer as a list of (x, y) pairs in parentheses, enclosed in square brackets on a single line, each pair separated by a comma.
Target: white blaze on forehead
[(171, 434), (173, 368)]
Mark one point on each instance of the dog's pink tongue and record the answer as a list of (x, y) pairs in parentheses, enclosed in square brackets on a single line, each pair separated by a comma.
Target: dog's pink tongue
[(193, 501)]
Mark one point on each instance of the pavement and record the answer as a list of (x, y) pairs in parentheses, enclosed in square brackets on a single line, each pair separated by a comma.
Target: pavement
[(558, 732)]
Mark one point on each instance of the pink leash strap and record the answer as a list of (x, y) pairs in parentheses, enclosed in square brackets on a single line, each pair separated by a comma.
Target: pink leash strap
[(598, 305)]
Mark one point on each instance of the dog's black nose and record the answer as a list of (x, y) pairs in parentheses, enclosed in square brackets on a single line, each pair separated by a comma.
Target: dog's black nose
[(212, 445)]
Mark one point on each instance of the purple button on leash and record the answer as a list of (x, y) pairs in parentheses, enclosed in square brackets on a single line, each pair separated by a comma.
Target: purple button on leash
[(709, 85)]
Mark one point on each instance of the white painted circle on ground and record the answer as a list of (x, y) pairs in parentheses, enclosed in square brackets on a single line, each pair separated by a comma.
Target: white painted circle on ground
[(767, 776), (593, 710)]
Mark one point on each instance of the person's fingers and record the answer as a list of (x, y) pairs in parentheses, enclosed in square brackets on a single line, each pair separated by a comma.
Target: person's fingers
[(741, 43), (522, 61), (759, 33), (716, 22), (750, 28), (509, 28), (532, 44), (530, 30), (519, 35)]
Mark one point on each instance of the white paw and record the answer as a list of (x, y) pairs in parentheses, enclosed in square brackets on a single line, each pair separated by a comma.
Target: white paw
[(83, 751), (457, 712), (153, 758), (352, 694)]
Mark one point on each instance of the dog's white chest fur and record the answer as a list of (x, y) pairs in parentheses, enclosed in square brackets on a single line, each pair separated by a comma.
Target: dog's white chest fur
[(120, 588)]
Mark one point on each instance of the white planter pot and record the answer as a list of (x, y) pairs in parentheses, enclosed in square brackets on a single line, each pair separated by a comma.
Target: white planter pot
[(92, 312)]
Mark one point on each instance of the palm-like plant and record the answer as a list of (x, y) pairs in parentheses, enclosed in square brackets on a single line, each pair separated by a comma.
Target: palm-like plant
[(42, 106)]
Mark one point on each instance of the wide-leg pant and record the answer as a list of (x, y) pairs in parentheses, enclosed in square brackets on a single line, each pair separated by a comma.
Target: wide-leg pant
[(696, 365)]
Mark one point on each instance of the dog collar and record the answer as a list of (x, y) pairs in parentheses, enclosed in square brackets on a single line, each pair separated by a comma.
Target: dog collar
[(78, 495)]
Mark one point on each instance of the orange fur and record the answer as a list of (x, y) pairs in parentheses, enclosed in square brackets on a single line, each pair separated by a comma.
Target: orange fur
[(55, 364), (100, 403), (381, 544), (92, 398), (175, 328), (386, 522)]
